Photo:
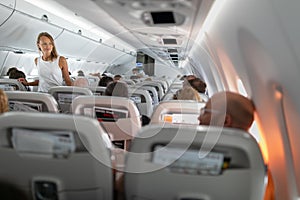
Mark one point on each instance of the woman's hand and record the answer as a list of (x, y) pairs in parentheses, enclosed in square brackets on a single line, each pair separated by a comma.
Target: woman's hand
[(22, 80)]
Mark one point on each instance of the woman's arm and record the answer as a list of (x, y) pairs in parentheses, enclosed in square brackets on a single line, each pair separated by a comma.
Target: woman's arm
[(65, 71), (24, 81)]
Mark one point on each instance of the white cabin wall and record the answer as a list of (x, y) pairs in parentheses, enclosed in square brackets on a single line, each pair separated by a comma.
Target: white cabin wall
[(24, 62), (205, 66), (258, 42)]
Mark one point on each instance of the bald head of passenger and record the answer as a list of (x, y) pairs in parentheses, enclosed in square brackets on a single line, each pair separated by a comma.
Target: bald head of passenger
[(228, 109)]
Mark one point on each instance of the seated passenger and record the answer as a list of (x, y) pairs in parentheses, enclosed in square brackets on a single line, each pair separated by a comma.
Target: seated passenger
[(117, 88), (16, 74), (80, 73), (137, 73), (189, 93), (81, 81), (117, 77), (233, 110), (185, 83), (120, 89), (228, 109), (105, 80), (3, 102), (198, 85), (11, 70)]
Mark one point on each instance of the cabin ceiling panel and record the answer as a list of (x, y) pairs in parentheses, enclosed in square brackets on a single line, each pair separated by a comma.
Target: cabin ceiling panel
[(128, 21)]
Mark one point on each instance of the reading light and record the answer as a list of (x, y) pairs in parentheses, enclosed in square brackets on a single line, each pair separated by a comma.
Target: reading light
[(44, 18)]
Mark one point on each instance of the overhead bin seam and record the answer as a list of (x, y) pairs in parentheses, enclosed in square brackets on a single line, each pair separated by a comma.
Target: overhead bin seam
[(10, 13)]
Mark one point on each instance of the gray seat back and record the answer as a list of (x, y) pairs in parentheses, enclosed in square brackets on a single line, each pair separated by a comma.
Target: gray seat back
[(64, 95), (31, 101), (177, 112), (142, 99), (194, 162), (118, 115), (8, 83), (55, 156)]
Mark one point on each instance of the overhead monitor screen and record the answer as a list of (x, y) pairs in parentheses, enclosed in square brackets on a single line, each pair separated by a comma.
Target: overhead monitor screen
[(104, 114), (189, 161), (164, 17), (180, 118)]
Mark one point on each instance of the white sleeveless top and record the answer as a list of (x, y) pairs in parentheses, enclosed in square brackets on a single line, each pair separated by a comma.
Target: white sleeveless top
[(50, 74)]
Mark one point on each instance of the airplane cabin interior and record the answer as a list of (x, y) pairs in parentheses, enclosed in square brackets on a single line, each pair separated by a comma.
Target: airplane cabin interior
[(75, 142)]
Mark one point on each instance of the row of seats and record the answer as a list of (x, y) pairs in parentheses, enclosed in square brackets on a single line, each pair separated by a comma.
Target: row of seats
[(164, 112), (85, 104), (69, 157), (65, 94)]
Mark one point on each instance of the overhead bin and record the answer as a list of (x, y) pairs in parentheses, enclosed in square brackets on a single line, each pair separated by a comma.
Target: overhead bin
[(19, 32), (48, 13), (8, 3), (6, 9), (75, 45), (23, 21), (107, 54)]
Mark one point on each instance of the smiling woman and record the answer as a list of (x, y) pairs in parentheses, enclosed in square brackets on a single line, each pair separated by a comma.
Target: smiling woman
[(52, 68)]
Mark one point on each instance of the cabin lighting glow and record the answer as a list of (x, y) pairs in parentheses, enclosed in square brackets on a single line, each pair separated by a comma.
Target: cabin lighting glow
[(278, 94), (257, 133), (60, 11)]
